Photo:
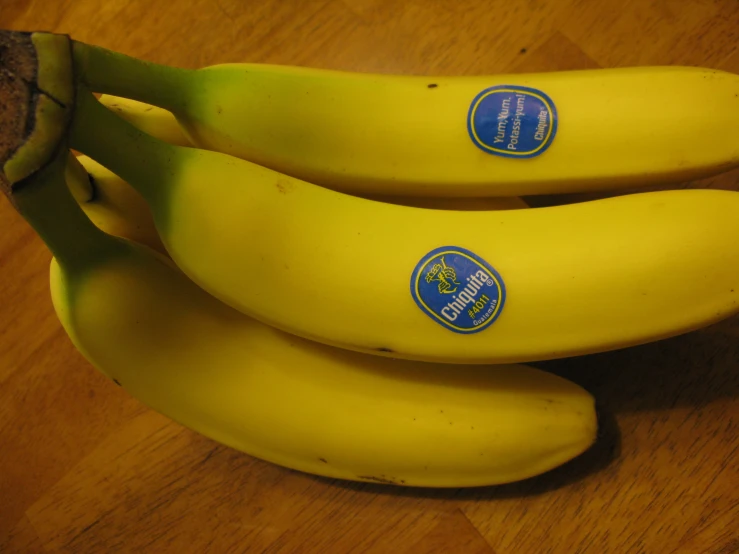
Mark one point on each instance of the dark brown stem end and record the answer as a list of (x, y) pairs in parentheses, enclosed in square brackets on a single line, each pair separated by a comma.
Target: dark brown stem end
[(36, 101)]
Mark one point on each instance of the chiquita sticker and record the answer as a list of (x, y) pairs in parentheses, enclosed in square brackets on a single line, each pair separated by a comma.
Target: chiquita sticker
[(512, 121), (458, 289)]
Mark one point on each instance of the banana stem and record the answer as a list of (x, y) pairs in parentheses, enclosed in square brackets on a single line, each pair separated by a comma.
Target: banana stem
[(113, 73), (36, 96), (142, 160), (45, 202)]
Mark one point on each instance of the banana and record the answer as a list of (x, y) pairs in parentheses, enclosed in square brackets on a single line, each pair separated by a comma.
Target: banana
[(436, 285), (152, 120), (161, 124), (283, 399), (81, 185), (498, 135), (111, 204)]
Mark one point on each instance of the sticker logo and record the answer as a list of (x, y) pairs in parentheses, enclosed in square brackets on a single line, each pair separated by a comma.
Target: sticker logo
[(458, 289), (512, 121)]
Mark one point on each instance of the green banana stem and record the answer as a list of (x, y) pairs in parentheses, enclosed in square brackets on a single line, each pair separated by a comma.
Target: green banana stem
[(36, 97), (133, 155), (36, 94), (113, 73), (45, 202)]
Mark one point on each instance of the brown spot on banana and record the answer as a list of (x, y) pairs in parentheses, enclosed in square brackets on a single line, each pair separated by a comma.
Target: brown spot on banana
[(284, 186)]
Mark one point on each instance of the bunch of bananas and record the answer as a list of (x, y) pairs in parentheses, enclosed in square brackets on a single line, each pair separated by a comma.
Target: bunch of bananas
[(334, 272)]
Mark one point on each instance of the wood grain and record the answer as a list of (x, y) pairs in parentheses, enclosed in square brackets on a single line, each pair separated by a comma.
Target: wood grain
[(85, 468)]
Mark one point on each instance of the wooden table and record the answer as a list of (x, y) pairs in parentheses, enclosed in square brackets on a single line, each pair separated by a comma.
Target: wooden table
[(85, 468)]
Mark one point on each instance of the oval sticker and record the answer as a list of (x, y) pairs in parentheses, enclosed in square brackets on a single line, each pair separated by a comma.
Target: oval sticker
[(458, 289), (512, 121)]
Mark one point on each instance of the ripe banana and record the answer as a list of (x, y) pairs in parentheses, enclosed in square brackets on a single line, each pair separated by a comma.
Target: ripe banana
[(280, 398), (162, 124), (451, 286), (152, 120), (493, 135), (112, 205)]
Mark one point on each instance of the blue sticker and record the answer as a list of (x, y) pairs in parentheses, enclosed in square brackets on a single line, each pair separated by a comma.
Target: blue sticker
[(512, 121), (458, 289)]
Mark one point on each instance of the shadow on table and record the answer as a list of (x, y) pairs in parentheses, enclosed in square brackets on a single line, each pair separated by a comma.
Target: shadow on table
[(692, 370)]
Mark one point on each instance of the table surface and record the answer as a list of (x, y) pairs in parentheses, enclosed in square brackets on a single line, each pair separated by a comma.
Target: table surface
[(85, 468)]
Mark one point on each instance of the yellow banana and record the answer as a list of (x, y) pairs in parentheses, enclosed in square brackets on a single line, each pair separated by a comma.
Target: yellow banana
[(152, 120), (523, 285), (161, 124), (111, 204), (81, 185), (283, 399), (446, 136)]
